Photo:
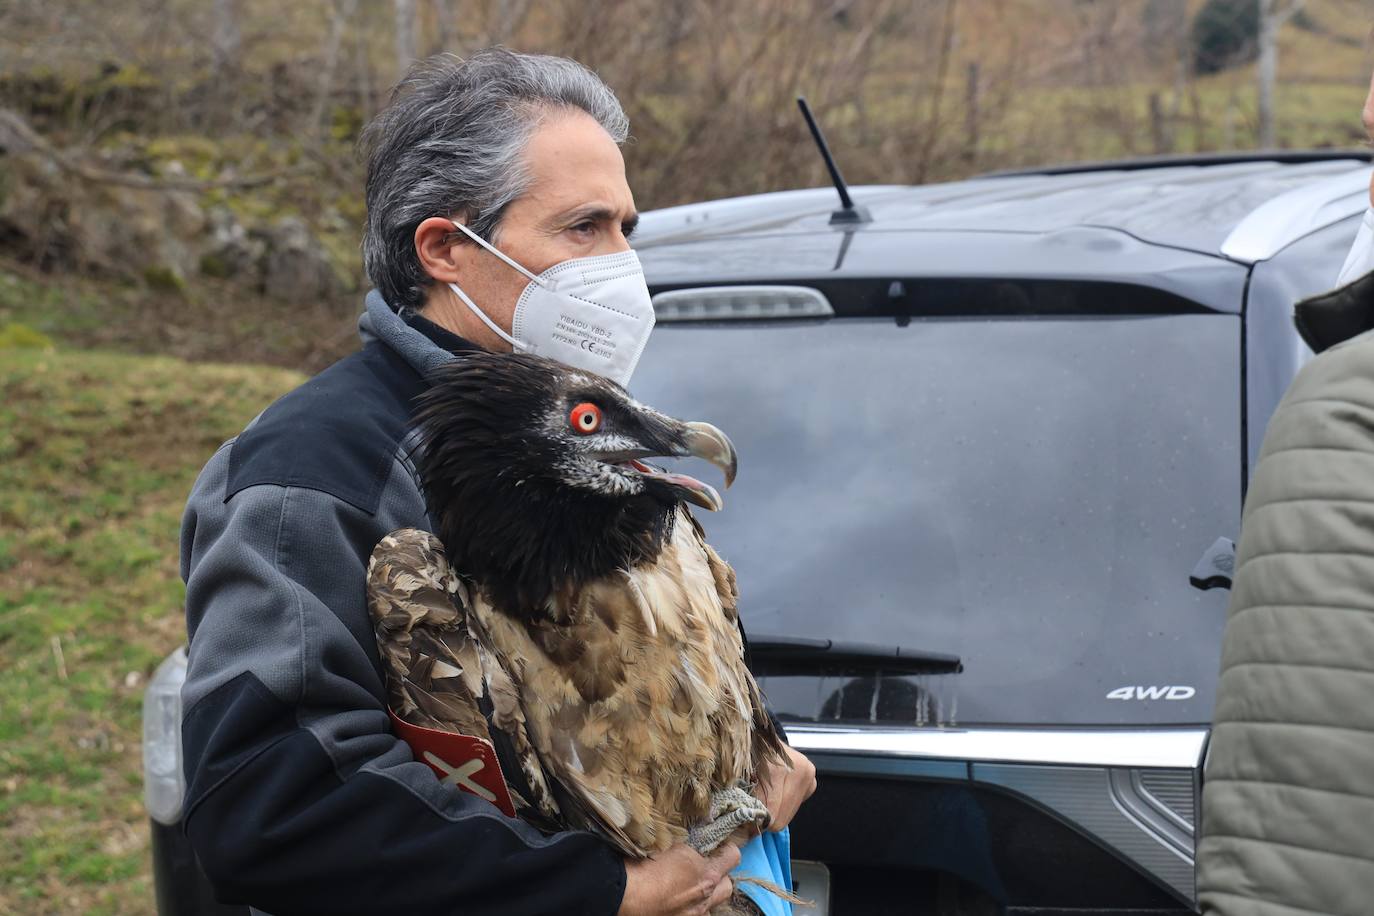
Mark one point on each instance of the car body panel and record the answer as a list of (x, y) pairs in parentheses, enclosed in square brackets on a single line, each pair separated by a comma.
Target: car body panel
[(1073, 254), (1274, 352), (1193, 207)]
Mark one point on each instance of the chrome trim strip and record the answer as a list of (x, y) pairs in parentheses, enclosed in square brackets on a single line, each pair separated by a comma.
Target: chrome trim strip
[(1158, 747), (1279, 222), (899, 767)]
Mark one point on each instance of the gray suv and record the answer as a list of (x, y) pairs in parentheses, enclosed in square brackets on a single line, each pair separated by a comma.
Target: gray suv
[(994, 437)]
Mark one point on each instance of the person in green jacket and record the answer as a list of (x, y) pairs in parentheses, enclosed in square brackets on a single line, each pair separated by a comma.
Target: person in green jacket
[(1288, 793)]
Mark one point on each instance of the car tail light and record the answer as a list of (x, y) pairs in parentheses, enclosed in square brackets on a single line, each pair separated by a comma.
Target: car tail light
[(726, 303), (164, 784)]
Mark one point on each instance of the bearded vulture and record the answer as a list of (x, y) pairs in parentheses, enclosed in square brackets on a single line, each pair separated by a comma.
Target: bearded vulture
[(571, 600)]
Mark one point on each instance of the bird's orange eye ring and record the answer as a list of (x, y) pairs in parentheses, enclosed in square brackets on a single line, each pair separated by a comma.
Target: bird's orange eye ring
[(585, 418)]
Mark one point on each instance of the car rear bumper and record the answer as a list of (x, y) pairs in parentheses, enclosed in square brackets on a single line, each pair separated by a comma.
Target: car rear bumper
[(1128, 797)]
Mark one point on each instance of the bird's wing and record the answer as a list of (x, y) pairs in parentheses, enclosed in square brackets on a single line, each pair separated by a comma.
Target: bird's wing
[(433, 669), (639, 704), (727, 589), (767, 743), (436, 666)]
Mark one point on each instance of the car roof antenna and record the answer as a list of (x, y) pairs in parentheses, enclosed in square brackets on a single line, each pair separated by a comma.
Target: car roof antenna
[(848, 213)]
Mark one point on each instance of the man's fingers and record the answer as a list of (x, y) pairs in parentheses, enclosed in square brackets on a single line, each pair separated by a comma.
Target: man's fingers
[(722, 893)]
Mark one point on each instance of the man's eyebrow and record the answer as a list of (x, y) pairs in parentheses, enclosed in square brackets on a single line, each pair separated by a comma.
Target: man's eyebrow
[(599, 214)]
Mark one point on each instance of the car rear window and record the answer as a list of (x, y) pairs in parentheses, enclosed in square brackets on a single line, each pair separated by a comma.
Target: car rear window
[(1030, 494)]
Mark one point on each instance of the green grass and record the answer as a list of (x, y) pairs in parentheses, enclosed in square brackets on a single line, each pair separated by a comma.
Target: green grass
[(97, 454)]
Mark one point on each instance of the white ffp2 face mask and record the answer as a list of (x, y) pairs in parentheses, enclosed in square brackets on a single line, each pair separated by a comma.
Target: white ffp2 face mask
[(591, 313)]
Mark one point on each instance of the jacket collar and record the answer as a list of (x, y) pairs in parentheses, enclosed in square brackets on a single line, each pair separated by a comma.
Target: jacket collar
[(420, 342), (1330, 318)]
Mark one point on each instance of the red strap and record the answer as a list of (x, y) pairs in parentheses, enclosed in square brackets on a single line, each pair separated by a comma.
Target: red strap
[(464, 761)]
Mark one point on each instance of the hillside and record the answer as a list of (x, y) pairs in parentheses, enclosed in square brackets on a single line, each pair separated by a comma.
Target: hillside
[(227, 196)]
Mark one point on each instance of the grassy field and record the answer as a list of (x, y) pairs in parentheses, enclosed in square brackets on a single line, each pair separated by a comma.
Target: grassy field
[(97, 454)]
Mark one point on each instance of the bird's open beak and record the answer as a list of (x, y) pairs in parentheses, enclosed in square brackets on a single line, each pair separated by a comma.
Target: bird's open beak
[(685, 488), (702, 440), (699, 440)]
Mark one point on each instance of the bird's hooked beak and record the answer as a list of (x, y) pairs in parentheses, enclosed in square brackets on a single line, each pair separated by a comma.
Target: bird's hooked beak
[(708, 442), (694, 440)]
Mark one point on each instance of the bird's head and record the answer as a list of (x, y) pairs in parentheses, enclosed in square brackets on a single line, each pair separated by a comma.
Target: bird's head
[(536, 476)]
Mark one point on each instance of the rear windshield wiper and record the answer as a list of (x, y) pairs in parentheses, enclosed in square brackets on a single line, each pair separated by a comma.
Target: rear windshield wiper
[(794, 655)]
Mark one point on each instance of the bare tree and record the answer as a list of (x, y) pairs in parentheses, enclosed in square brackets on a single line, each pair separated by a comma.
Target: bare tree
[(405, 35), (227, 36), (1273, 14), (1166, 49), (341, 12), (506, 18), (444, 36)]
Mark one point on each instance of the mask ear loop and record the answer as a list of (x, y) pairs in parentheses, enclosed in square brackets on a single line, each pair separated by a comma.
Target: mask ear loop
[(515, 344), (495, 328), (496, 251)]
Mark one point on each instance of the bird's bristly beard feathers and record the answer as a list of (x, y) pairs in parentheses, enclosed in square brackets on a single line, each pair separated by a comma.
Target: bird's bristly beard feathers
[(532, 475)]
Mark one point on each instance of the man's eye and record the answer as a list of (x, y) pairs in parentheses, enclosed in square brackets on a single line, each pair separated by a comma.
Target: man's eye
[(584, 228)]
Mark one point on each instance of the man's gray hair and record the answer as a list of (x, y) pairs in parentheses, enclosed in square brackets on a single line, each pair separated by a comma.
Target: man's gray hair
[(451, 141)]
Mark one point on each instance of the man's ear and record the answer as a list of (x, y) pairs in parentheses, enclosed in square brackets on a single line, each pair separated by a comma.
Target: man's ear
[(441, 254)]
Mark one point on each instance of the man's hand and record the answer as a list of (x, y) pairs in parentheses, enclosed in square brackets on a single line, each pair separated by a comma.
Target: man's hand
[(784, 790), (679, 882)]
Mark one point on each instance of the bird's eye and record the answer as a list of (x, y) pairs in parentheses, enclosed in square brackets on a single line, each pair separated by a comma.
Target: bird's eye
[(586, 418)]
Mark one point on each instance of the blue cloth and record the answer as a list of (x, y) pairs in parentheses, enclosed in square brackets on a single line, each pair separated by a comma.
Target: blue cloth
[(767, 856)]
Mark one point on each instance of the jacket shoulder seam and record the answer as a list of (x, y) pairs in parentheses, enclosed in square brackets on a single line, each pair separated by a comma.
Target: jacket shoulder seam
[(295, 593)]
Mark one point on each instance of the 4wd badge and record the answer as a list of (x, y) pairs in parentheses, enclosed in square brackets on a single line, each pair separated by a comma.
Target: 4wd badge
[(1177, 692)]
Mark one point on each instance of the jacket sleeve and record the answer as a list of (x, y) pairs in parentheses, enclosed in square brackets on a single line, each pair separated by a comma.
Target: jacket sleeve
[(298, 797)]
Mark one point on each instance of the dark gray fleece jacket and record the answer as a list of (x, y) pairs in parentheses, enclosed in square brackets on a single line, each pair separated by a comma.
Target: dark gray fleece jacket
[(299, 799)]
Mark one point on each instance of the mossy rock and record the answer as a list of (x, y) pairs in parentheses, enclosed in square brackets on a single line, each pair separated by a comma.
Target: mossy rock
[(215, 265), (163, 278), (15, 336)]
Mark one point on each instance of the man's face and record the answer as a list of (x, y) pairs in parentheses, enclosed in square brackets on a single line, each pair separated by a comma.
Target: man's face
[(578, 204)]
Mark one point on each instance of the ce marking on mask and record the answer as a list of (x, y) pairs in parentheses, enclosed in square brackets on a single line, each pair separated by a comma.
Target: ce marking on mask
[(592, 338)]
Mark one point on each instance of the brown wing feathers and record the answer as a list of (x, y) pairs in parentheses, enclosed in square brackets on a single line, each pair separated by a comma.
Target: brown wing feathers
[(435, 669), (632, 694), (433, 673)]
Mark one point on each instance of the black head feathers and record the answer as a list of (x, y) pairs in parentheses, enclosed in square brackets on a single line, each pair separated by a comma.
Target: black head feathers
[(534, 477)]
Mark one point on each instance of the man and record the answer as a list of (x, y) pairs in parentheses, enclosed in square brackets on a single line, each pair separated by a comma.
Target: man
[(1288, 797), (299, 799)]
